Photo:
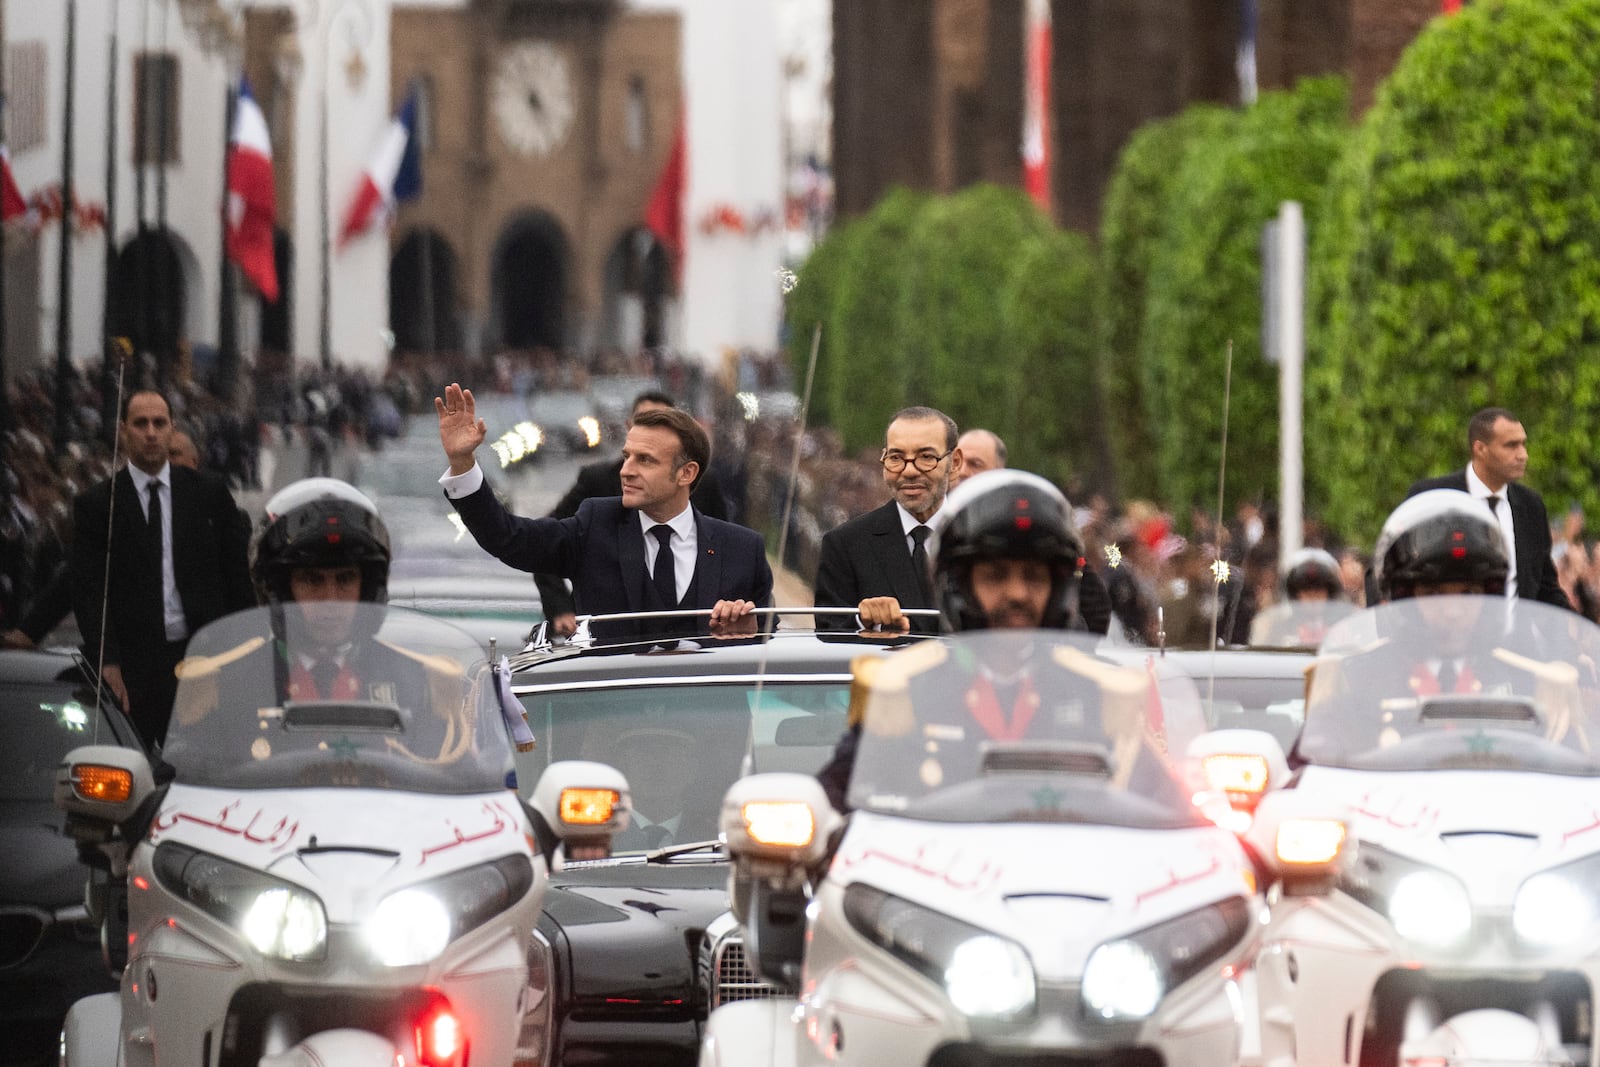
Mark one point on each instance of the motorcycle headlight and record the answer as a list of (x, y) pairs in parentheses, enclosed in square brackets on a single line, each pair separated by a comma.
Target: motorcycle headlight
[(1551, 908), (1431, 907), (413, 925), (983, 974), (1122, 981), (1126, 978), (277, 917)]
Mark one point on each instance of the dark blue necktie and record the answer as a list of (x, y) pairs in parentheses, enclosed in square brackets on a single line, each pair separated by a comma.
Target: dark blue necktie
[(665, 582)]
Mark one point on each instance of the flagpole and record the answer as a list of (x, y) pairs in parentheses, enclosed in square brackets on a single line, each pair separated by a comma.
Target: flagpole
[(325, 297), (108, 397), (5, 400), (165, 359), (227, 308), (63, 398)]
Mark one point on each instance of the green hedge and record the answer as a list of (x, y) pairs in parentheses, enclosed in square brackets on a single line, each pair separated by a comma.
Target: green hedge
[(1464, 268), (1205, 290), (952, 338), (1048, 309), (1134, 214)]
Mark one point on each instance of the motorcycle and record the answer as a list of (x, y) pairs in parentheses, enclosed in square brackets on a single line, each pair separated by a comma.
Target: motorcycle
[(1024, 876), (303, 881), (1456, 739)]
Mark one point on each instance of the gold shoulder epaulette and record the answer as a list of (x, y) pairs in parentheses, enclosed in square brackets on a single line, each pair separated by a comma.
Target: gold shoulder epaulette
[(1110, 677), (197, 666), (441, 664)]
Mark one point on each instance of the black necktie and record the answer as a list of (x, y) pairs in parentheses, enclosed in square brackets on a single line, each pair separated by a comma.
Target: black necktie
[(153, 517), (324, 672), (1494, 505), (666, 584), (919, 562)]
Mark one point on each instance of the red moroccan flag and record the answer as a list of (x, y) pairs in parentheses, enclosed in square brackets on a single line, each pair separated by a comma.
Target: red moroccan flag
[(664, 213)]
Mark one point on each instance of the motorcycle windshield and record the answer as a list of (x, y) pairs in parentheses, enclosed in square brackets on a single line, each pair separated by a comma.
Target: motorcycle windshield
[(1297, 623), (335, 693), (1456, 682), (1023, 726)]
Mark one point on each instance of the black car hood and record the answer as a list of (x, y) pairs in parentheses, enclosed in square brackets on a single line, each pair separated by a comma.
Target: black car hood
[(633, 932), (41, 866)]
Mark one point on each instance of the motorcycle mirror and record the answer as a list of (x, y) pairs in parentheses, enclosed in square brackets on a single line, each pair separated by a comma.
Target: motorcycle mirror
[(99, 786), (583, 804)]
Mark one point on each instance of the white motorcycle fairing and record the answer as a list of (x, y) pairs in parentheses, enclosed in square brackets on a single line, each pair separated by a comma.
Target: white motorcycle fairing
[(1051, 896), (1471, 880)]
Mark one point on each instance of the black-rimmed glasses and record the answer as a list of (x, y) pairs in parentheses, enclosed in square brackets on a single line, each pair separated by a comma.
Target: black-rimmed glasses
[(895, 462)]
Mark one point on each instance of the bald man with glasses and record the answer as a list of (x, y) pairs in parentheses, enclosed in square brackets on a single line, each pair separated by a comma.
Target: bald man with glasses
[(880, 556)]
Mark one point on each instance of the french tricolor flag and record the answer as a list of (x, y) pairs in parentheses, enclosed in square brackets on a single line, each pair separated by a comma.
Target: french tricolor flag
[(394, 174), (252, 207)]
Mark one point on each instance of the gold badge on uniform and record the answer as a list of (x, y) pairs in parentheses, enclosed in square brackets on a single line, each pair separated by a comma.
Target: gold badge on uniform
[(931, 773)]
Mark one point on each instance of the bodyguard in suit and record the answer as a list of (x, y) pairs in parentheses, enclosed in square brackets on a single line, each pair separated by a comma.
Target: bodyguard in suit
[(647, 550), (604, 478), (881, 554), (179, 559), (1499, 449)]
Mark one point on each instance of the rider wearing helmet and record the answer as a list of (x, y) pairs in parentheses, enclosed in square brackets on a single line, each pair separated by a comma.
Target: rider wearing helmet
[(1439, 542), (1313, 600), (1006, 556)]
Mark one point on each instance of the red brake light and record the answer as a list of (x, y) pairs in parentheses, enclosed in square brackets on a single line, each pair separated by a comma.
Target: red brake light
[(441, 1041)]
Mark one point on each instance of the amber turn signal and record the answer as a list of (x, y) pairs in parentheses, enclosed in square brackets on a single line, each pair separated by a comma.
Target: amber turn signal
[(784, 823), (588, 807), (110, 785), (1235, 773), (1306, 842)]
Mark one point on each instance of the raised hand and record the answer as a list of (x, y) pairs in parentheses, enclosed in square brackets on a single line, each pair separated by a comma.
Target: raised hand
[(460, 429)]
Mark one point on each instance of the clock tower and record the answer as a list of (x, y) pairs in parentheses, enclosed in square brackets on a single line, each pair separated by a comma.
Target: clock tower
[(547, 125)]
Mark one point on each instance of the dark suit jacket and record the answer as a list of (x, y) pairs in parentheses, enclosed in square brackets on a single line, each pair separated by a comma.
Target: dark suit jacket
[(1536, 569), (867, 557), (601, 549), (601, 479), (210, 560)]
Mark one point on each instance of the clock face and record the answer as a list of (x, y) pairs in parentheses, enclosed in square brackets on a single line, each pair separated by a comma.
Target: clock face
[(533, 98)]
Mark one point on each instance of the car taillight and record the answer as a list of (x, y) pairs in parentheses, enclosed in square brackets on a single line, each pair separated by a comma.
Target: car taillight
[(441, 1040)]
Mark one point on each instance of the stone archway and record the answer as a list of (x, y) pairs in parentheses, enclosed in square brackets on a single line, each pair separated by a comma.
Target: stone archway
[(529, 282), (151, 300), (422, 294)]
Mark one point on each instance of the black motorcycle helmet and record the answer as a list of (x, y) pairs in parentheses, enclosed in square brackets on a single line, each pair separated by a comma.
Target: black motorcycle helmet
[(1005, 514), (1442, 535), (320, 522), (1312, 568)]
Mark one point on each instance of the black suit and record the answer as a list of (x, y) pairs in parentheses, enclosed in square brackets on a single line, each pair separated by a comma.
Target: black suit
[(210, 562), (1536, 568), (602, 550), (868, 557), (603, 479)]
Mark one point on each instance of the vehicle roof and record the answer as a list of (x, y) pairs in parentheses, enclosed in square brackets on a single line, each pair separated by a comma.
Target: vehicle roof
[(786, 652), (30, 667), (1199, 663)]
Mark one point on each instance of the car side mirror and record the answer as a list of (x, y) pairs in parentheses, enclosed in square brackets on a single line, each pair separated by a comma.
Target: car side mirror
[(100, 786), (581, 804), (1304, 841), (1242, 766)]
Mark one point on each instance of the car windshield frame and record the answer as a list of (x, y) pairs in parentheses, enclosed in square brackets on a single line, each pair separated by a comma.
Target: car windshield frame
[(419, 713), (1087, 741), (647, 727), (1521, 692)]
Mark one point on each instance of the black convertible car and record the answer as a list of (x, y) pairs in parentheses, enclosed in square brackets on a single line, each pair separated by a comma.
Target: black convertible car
[(50, 953), (629, 971)]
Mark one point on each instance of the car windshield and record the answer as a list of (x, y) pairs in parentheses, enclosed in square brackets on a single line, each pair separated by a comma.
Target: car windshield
[(39, 724), (335, 693), (1297, 623), (682, 745), (1445, 682), (1025, 726)]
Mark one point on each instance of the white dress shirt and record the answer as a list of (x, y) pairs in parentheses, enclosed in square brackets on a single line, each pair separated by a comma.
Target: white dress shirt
[(171, 604), (1502, 515), (909, 522), (685, 542)]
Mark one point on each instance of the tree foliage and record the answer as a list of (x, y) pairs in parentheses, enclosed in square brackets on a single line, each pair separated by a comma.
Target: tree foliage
[(1135, 213), (1204, 290), (1464, 263)]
